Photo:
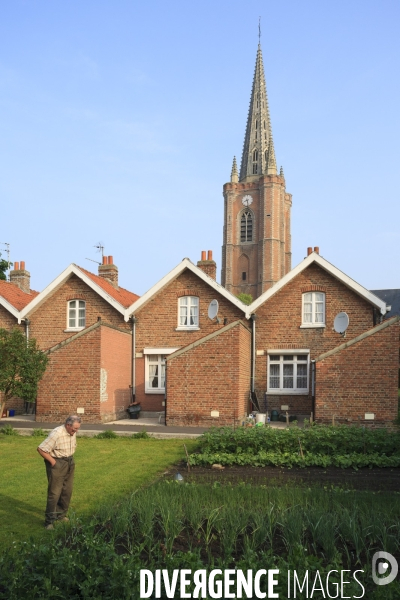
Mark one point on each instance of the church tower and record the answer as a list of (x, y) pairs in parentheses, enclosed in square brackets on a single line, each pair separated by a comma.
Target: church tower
[(256, 249)]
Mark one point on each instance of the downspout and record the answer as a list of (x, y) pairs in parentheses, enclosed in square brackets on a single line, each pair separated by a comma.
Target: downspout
[(165, 393), (253, 353), (313, 388), (133, 374), (27, 323)]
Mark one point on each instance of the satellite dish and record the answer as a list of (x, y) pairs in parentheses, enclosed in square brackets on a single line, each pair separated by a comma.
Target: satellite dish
[(341, 322), (213, 309)]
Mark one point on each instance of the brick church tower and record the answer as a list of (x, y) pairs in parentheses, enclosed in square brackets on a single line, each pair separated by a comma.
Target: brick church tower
[(256, 249)]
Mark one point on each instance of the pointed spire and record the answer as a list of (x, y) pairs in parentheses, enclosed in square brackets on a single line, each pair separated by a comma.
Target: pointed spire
[(258, 156), (281, 173), (234, 172)]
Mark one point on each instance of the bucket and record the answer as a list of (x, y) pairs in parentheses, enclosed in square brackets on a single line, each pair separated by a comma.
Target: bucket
[(12, 413), (260, 418)]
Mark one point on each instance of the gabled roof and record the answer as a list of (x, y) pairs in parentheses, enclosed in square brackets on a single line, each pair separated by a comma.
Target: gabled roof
[(327, 266), (123, 296), (392, 299), (118, 298), (185, 264), (13, 298)]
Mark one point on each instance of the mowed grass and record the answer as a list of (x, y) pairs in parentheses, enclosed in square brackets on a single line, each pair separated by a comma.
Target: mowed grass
[(105, 471)]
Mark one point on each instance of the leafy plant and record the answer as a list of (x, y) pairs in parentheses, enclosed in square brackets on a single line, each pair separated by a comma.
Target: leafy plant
[(39, 432), (107, 434), (8, 430), (22, 365), (245, 298), (141, 435)]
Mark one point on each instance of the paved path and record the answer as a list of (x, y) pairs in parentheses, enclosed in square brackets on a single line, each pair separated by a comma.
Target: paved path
[(124, 427)]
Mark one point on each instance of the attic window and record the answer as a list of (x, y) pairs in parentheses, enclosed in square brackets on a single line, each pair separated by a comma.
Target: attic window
[(76, 314), (313, 309)]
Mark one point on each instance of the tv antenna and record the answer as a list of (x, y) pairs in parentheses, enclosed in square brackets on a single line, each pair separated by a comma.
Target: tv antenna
[(100, 248), (7, 245)]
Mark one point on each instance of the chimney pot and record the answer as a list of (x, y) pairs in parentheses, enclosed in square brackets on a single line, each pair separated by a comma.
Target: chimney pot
[(316, 249), (104, 260), (22, 265), (203, 255), (110, 260), (309, 250), (16, 266), (209, 257)]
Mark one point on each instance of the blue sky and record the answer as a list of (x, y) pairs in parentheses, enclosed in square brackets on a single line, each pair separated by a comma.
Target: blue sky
[(119, 122)]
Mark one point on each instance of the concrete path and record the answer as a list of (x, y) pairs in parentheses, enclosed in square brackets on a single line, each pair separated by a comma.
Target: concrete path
[(25, 424)]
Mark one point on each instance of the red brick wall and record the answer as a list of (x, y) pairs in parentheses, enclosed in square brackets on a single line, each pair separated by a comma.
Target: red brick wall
[(8, 321), (158, 319), (49, 320), (361, 378), (214, 375), (116, 350), (278, 327), (72, 380)]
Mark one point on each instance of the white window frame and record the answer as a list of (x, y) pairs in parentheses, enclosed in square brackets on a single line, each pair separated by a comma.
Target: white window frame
[(76, 326), (313, 323), (282, 353), (151, 356), (189, 301)]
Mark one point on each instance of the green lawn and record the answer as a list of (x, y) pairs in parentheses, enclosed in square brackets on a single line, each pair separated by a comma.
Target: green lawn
[(105, 470)]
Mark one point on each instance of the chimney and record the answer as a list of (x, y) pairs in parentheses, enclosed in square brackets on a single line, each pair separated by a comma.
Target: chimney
[(316, 249), (208, 265), (309, 250), (109, 271), (20, 277)]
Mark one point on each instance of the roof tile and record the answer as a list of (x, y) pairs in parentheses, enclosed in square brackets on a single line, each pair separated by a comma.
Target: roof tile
[(14, 295), (124, 297)]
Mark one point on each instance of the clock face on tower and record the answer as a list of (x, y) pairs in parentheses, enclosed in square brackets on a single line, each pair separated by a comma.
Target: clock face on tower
[(247, 200)]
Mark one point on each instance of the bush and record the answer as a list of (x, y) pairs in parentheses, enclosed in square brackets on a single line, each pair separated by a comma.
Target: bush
[(141, 435), (108, 434), (8, 430), (39, 433)]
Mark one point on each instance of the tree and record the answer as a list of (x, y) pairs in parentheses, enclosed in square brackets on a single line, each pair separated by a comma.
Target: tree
[(245, 298), (3, 268), (22, 365)]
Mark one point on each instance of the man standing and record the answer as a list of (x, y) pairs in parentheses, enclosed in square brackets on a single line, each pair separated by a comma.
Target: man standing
[(58, 453)]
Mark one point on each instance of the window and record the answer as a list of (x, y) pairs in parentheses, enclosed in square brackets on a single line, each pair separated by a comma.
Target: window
[(313, 309), (288, 373), (76, 314), (246, 226), (155, 369), (244, 275), (188, 317), (155, 373)]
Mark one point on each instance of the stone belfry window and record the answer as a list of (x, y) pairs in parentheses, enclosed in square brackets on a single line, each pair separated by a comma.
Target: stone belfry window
[(246, 227), (255, 159)]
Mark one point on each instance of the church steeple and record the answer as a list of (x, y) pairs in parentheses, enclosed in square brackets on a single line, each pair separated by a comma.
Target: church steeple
[(258, 156)]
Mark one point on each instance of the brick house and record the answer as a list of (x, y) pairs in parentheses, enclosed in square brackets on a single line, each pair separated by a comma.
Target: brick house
[(79, 319), (184, 362), (304, 366)]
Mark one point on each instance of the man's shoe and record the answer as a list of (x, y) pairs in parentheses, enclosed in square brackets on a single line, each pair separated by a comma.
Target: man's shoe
[(49, 527), (63, 520)]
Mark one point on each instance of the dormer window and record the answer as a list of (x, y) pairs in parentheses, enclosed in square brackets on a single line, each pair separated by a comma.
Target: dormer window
[(76, 314)]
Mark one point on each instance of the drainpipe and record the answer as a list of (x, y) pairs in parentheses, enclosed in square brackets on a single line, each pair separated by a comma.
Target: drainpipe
[(253, 352), (133, 377), (27, 323), (313, 388), (165, 393)]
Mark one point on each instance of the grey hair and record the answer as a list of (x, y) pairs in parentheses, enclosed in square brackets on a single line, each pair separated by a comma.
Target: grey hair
[(72, 419)]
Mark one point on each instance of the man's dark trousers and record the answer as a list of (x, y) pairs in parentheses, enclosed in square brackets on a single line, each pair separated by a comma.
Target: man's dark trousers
[(59, 491)]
